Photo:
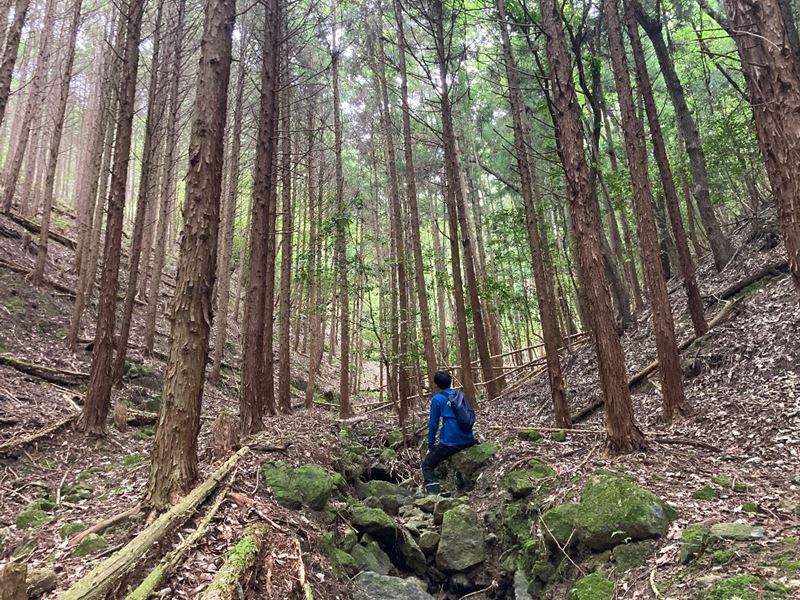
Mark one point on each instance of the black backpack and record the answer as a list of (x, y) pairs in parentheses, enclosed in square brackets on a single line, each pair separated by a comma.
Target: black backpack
[(465, 414)]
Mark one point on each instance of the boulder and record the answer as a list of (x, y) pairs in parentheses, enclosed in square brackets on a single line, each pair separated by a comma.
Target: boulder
[(521, 584), (614, 510), (443, 506), (470, 461), (428, 542), (31, 518), (314, 484), (373, 521), (592, 587), (71, 528), (369, 557), (413, 556), (378, 488), (559, 524), (427, 503), (694, 540), (280, 478), (372, 586), (705, 493), (463, 541), (630, 556), (522, 482), (737, 531)]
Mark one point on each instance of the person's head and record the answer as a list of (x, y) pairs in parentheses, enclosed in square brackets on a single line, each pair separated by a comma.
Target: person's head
[(442, 380)]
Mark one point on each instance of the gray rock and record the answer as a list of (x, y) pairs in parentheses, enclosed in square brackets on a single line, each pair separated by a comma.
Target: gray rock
[(737, 531), (373, 521), (462, 544), (372, 586), (370, 557), (411, 553), (521, 584), (443, 506), (428, 542)]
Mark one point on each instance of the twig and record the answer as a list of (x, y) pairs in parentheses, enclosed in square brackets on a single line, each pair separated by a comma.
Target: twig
[(104, 524), (564, 552), (653, 586), (476, 592), (60, 486)]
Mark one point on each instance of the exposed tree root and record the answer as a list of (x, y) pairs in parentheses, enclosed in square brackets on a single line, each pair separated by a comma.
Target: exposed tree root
[(240, 560), (637, 378), (62, 376), (106, 576), (165, 568), (34, 227), (36, 435)]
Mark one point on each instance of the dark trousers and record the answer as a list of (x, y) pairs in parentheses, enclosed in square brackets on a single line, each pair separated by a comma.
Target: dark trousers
[(435, 457)]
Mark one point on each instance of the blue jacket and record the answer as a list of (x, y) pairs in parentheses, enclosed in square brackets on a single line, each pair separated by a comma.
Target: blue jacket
[(452, 434)]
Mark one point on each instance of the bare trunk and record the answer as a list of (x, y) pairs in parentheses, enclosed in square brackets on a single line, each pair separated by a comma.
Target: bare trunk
[(11, 50)]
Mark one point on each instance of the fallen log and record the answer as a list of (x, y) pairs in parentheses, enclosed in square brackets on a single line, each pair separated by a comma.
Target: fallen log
[(238, 563), (34, 227), (772, 270), (36, 435), (106, 576), (164, 569), (9, 233), (62, 376), (640, 376), (15, 268)]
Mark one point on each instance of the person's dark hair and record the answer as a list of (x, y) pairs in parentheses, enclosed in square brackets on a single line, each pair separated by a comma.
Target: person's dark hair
[(442, 379)]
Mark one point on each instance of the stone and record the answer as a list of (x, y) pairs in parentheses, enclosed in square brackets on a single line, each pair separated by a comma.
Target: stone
[(461, 584), (521, 584), (730, 484), (390, 504), (348, 539), (314, 484), (370, 557), (738, 587), (705, 493), (462, 544), (40, 581), (90, 544), (522, 482), (413, 556), (737, 531), (631, 556), (559, 524), (428, 542), (70, 529), (558, 436), (373, 502), (750, 507), (443, 506), (372, 586), (472, 460), (12, 581), (373, 521), (614, 510), (378, 488), (280, 478), (427, 503), (592, 587), (31, 518), (694, 540), (342, 563)]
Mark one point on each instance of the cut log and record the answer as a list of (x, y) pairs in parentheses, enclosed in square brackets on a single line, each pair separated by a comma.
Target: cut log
[(34, 227), (165, 568), (240, 560), (107, 575), (640, 376), (62, 376), (36, 435)]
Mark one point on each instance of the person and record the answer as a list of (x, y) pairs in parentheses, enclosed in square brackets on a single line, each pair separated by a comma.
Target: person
[(453, 437)]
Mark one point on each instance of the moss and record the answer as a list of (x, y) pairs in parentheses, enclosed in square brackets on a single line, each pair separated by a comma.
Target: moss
[(70, 529), (373, 521), (558, 436), (395, 438), (134, 460), (792, 541), (529, 435), (592, 587), (31, 518), (145, 434), (730, 484), (694, 540), (90, 544), (471, 460), (721, 557), (314, 484), (631, 556), (750, 507), (559, 524), (280, 478), (705, 493), (790, 567)]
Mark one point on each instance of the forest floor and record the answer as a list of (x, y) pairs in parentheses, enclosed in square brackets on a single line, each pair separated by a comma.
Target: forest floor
[(743, 381)]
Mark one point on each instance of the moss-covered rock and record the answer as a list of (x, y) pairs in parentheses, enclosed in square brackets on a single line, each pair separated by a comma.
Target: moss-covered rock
[(631, 556), (369, 557), (373, 521), (470, 461), (558, 436), (559, 524), (614, 510), (529, 435), (443, 505), (592, 587), (428, 542), (411, 553), (378, 488), (134, 460), (280, 478), (694, 540), (750, 507), (372, 586), (737, 531), (721, 557), (35, 514), (394, 439), (314, 484), (90, 544), (522, 482), (738, 587), (705, 493), (736, 485), (463, 541), (70, 529)]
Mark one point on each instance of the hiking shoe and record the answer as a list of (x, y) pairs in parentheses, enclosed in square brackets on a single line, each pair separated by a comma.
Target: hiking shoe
[(433, 488)]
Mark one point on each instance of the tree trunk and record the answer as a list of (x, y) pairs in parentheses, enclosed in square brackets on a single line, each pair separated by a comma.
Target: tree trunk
[(98, 397), (226, 247), (720, 246), (542, 275), (315, 265), (10, 53), (663, 324), (174, 453), (667, 181), (622, 433), (773, 85)]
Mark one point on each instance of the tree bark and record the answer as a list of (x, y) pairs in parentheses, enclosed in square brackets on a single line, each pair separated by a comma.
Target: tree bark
[(10, 53), (622, 433), (773, 85), (98, 397), (663, 324), (174, 456)]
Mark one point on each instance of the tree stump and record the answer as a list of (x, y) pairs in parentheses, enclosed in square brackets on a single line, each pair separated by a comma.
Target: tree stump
[(120, 416), (224, 435), (12, 582)]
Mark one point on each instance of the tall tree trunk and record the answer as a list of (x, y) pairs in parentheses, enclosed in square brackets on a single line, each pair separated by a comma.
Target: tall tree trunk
[(720, 245), (147, 183), (251, 398), (315, 265), (411, 198), (667, 181), (345, 409), (542, 274), (10, 54), (663, 324), (226, 247), (174, 455), (55, 142), (773, 85), (622, 433), (98, 397)]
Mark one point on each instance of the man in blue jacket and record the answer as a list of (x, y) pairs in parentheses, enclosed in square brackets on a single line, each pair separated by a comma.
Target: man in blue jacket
[(452, 438)]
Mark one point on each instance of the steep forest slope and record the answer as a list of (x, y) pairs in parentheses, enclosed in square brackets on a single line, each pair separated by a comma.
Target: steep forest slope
[(328, 489)]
